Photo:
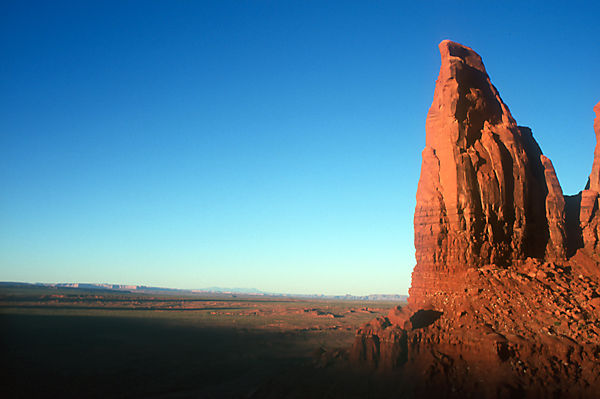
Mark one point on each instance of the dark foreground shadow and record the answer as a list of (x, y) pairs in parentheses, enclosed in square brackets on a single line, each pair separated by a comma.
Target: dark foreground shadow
[(135, 357), (352, 383), (130, 357), (423, 318)]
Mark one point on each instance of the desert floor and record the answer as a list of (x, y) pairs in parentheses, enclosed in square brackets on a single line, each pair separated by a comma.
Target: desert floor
[(76, 343)]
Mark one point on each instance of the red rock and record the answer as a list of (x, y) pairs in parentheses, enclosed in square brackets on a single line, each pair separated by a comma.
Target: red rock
[(484, 189), (555, 213), (595, 175), (589, 217), (504, 295)]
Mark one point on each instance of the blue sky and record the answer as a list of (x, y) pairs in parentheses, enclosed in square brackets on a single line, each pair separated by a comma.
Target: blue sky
[(266, 144)]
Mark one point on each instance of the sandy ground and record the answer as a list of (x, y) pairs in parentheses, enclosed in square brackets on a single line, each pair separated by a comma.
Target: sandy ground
[(75, 343)]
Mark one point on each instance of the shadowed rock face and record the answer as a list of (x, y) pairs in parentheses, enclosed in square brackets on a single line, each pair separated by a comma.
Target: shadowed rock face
[(505, 295)]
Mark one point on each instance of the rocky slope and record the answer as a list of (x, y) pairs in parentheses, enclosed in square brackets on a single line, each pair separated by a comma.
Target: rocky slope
[(505, 295)]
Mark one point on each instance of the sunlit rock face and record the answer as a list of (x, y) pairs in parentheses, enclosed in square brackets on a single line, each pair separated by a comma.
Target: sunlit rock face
[(589, 215), (486, 194), (594, 184), (505, 295)]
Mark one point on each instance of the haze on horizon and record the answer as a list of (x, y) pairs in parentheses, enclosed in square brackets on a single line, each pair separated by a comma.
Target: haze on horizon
[(255, 144)]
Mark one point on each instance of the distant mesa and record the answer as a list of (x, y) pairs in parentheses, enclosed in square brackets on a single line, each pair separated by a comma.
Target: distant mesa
[(205, 291), (505, 295), (120, 287)]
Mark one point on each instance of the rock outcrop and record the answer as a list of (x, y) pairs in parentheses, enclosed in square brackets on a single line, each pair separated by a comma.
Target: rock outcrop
[(484, 186), (594, 183), (589, 216), (505, 295)]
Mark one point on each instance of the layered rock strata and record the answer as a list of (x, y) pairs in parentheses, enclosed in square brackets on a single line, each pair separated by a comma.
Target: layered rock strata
[(505, 295), (484, 188), (589, 216)]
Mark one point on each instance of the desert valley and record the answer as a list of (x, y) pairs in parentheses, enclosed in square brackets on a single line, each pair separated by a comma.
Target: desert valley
[(74, 343)]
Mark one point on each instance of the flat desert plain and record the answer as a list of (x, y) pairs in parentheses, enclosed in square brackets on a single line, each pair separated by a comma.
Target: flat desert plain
[(65, 342)]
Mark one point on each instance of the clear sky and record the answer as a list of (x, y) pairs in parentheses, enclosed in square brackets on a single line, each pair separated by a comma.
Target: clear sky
[(266, 144)]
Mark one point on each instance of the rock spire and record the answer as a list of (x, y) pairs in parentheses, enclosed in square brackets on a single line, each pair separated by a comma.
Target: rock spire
[(505, 295), (486, 194)]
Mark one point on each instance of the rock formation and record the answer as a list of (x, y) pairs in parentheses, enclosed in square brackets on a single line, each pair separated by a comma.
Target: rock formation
[(484, 185), (595, 175), (589, 217), (505, 295)]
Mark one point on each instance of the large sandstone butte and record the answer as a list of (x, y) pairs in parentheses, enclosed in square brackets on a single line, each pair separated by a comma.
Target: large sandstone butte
[(505, 295)]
